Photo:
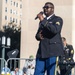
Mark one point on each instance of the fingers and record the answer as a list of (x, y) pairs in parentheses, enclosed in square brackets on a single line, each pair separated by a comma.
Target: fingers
[(41, 35), (40, 16)]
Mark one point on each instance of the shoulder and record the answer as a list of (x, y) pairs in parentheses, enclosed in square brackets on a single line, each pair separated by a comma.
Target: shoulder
[(58, 17), (69, 46), (58, 20)]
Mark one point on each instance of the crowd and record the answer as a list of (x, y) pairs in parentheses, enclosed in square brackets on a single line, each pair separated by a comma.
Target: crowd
[(28, 68)]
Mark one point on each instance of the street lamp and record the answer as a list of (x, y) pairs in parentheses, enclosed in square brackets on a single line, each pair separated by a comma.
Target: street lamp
[(6, 42)]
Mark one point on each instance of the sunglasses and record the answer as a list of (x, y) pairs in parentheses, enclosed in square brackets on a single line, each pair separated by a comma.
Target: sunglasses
[(46, 7)]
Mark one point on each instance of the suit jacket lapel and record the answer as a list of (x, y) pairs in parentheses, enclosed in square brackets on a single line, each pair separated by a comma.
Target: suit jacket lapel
[(51, 17)]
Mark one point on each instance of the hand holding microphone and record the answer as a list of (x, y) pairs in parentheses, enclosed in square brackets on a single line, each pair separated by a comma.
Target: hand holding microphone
[(40, 16)]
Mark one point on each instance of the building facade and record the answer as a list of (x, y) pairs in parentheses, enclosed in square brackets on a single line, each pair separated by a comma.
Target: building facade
[(10, 10), (10, 26)]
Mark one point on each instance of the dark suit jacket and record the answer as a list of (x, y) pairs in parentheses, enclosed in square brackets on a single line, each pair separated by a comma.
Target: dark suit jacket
[(51, 45), (69, 52), (68, 58)]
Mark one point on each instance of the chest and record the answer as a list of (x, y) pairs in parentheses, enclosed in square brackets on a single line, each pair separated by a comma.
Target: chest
[(67, 50)]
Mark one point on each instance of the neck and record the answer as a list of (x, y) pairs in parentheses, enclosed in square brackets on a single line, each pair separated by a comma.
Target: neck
[(50, 16)]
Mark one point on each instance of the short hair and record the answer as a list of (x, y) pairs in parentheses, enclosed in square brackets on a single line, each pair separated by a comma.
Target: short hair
[(63, 38), (31, 57), (50, 4)]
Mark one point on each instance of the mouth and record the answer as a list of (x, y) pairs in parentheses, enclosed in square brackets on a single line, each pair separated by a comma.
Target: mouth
[(45, 12)]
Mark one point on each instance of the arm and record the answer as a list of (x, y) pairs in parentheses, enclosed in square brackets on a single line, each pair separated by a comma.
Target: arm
[(71, 52), (39, 35), (52, 27)]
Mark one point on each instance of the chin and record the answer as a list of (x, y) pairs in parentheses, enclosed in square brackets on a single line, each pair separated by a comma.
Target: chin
[(46, 14)]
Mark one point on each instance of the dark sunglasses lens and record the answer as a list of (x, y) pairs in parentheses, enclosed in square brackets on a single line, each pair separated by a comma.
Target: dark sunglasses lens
[(45, 7)]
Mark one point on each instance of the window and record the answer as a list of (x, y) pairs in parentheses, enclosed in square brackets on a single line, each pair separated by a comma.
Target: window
[(10, 10), (13, 19), (10, 19), (20, 22), (16, 4), (6, 1), (5, 9), (11, 2), (5, 17), (20, 5)]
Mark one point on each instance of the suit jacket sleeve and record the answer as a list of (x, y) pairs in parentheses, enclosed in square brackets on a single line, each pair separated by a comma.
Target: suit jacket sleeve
[(71, 51), (37, 36)]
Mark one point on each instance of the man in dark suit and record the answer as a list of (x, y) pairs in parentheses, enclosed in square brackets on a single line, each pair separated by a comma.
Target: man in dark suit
[(67, 58), (49, 35)]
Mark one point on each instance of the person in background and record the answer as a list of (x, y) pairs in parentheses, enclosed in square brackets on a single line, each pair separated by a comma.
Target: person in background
[(17, 71), (50, 42), (24, 70), (5, 70), (28, 69), (67, 58)]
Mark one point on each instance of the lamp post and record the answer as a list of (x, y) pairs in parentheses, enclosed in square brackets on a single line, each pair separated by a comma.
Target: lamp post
[(6, 42)]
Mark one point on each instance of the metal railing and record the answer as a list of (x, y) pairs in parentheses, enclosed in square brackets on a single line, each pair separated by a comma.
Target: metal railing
[(13, 63), (20, 63), (2, 63)]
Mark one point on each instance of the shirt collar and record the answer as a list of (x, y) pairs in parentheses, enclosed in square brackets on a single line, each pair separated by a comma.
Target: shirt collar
[(49, 16)]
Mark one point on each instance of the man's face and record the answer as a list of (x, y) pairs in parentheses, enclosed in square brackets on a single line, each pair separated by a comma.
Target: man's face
[(16, 69), (48, 10), (64, 42)]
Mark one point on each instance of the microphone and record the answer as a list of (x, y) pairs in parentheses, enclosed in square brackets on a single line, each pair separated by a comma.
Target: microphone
[(37, 16)]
